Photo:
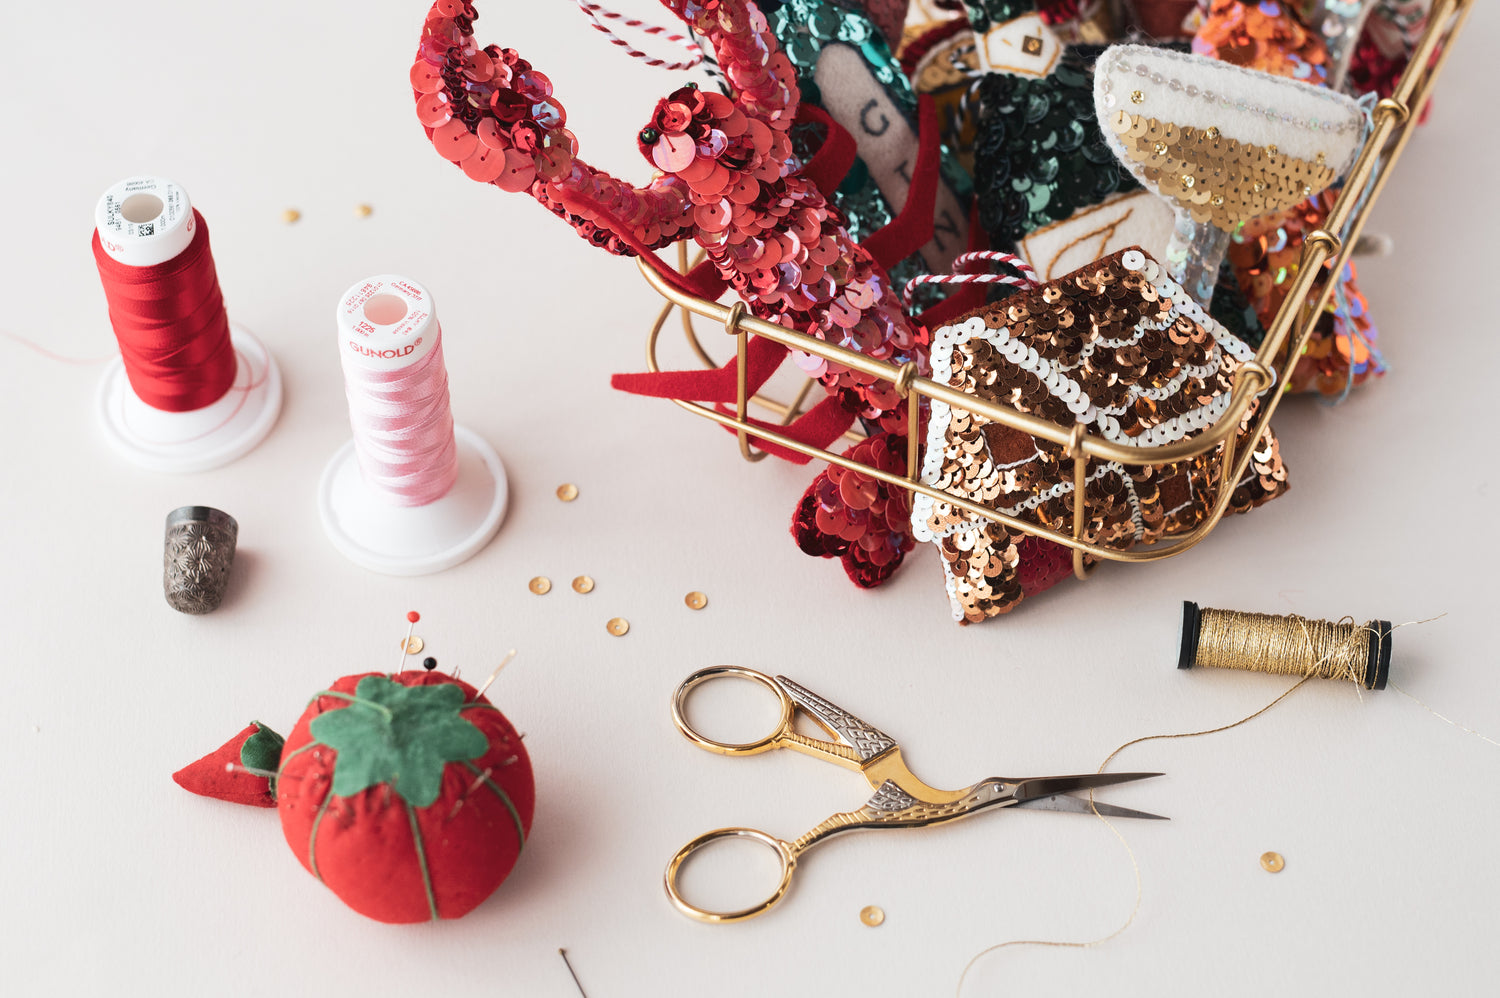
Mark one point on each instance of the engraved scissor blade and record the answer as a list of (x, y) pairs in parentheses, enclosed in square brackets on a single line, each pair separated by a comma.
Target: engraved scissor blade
[(1081, 805)]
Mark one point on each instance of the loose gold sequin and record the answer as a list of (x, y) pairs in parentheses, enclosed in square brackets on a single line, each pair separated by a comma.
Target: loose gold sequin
[(541, 585), (363, 211), (1219, 180), (618, 626), (413, 646), (872, 915), (290, 215), (696, 600), (583, 584), (1272, 862), (568, 492)]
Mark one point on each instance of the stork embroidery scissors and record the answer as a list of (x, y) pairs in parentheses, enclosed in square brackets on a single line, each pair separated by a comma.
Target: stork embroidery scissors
[(901, 800)]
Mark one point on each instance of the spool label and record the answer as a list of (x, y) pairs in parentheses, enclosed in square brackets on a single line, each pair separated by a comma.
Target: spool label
[(115, 228), (390, 345)]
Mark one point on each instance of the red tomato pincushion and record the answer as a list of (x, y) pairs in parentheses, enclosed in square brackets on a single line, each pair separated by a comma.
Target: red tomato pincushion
[(405, 794)]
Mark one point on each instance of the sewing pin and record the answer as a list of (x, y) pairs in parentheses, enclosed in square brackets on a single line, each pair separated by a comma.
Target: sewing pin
[(495, 675), (412, 617), (569, 963)]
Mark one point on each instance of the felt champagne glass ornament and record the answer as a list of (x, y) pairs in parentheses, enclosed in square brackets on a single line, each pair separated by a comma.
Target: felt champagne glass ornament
[(1117, 347), (1049, 189), (1340, 23), (845, 66), (1223, 144), (407, 794)]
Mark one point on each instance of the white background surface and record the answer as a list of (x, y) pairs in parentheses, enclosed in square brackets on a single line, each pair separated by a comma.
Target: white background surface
[(116, 880)]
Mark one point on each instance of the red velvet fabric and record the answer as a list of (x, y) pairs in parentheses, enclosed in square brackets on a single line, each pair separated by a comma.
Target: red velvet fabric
[(363, 848)]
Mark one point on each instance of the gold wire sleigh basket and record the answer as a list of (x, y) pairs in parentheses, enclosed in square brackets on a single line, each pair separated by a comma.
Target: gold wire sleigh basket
[(1395, 119)]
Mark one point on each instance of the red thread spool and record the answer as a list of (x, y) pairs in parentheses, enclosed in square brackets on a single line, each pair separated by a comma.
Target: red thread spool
[(171, 325), (190, 391)]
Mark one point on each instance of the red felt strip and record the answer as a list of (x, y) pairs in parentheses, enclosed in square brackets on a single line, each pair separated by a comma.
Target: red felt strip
[(718, 385), (835, 157), (910, 230), (817, 427)]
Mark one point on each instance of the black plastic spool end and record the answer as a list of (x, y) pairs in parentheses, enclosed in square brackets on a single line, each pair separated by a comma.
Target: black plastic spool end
[(1192, 619), (1378, 664)]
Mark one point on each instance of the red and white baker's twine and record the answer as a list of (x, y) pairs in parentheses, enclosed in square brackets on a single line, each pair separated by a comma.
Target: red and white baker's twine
[(1028, 278), (599, 15)]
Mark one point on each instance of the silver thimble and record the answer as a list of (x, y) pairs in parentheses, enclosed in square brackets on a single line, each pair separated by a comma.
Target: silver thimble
[(200, 549)]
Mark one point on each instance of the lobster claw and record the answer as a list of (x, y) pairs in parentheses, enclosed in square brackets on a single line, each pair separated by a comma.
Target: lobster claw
[(857, 518)]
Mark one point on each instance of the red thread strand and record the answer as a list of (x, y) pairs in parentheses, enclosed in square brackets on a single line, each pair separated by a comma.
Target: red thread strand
[(1028, 278), (599, 15), (170, 322)]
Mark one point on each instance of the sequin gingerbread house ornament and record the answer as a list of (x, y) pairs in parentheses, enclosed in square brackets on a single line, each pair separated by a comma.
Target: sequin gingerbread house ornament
[(1117, 347)]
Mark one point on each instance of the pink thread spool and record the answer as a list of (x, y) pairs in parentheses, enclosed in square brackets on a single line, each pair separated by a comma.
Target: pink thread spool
[(411, 493)]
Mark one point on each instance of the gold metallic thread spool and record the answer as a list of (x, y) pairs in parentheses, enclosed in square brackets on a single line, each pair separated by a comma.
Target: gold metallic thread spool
[(1286, 645)]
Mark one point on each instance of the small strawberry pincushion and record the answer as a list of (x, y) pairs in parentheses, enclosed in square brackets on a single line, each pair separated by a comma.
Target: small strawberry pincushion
[(408, 795)]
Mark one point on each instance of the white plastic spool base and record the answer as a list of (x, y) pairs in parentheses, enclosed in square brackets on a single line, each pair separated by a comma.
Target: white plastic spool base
[(415, 540), (146, 221), (386, 324)]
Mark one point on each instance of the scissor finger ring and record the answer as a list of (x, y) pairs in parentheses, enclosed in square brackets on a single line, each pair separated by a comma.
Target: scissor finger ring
[(674, 868)]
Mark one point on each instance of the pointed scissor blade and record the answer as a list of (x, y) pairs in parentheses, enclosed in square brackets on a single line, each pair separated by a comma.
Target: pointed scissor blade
[(1050, 786), (1081, 805)]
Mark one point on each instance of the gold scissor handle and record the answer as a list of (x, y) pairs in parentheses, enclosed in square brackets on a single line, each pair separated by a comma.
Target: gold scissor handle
[(784, 851), (771, 741)]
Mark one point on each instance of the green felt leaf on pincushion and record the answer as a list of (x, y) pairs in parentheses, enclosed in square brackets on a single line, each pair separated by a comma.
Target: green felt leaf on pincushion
[(262, 750), (398, 735)]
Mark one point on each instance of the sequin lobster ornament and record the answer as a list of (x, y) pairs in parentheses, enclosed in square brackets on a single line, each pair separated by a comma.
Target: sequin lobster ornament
[(728, 180), (1117, 346), (408, 795)]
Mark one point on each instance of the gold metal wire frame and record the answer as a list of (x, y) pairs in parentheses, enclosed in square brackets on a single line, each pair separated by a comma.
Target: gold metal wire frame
[(1395, 119)]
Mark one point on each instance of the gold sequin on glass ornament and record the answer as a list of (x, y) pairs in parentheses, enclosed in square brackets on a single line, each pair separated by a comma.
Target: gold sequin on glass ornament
[(583, 584), (541, 585), (618, 626), (1216, 179)]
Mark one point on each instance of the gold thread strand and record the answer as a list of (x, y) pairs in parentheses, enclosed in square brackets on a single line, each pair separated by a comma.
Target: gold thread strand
[(1134, 865)]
